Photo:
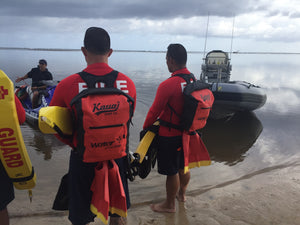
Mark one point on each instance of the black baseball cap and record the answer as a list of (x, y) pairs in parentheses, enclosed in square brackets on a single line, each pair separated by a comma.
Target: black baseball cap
[(97, 40), (43, 61)]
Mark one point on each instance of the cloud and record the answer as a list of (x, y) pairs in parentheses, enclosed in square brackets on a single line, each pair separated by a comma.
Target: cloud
[(274, 28), (113, 9), (295, 15), (64, 21)]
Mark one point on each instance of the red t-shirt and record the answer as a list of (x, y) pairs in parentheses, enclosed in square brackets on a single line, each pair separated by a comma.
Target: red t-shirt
[(69, 87), (169, 92)]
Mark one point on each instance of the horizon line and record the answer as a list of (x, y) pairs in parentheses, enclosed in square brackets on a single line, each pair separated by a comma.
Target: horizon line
[(143, 51)]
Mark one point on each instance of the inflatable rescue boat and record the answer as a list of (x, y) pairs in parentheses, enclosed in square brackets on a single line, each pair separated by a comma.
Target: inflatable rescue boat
[(230, 96)]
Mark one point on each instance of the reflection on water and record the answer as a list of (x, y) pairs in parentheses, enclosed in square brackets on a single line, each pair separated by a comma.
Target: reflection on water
[(41, 143), (228, 140)]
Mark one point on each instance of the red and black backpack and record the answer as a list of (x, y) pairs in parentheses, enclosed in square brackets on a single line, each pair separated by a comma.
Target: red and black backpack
[(103, 118), (198, 101)]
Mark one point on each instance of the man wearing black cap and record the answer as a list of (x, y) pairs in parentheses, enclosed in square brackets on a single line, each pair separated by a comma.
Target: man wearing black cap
[(81, 173), (37, 74)]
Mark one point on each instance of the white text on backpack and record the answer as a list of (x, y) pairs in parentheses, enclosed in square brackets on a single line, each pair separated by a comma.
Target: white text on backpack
[(121, 84)]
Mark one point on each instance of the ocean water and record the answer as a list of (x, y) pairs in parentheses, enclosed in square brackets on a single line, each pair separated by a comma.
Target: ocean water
[(242, 145)]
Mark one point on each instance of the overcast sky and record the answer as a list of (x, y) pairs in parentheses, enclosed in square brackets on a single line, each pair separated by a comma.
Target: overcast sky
[(259, 25)]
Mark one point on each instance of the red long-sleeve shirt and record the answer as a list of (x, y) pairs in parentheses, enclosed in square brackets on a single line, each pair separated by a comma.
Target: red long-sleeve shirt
[(169, 92)]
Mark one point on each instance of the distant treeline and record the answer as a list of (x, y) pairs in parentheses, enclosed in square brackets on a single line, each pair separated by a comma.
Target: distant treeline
[(147, 51)]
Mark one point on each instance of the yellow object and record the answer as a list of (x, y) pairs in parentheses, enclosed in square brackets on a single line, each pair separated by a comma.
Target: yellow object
[(30, 195), (13, 153), (55, 119), (145, 143)]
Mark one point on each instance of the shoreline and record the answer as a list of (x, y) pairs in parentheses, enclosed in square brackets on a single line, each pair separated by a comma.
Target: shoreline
[(269, 196)]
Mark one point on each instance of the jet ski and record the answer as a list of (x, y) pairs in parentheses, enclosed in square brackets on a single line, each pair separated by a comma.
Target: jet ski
[(24, 94)]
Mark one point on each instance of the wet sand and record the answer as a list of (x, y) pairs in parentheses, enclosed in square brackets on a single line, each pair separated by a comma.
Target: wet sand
[(268, 196)]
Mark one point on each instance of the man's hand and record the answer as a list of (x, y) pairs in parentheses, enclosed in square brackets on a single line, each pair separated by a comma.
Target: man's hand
[(19, 79)]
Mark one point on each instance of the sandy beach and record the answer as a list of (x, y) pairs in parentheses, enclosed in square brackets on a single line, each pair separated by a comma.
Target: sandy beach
[(265, 197)]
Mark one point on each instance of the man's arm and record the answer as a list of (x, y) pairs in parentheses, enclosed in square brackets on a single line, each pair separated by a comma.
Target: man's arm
[(159, 103), (21, 78)]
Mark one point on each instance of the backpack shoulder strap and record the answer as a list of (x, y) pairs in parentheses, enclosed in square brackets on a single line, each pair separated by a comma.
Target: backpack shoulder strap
[(187, 77), (91, 80), (196, 85)]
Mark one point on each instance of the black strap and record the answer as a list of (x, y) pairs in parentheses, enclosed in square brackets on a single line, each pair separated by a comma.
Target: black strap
[(187, 77), (170, 125), (60, 133), (23, 179), (177, 127), (91, 80), (196, 85)]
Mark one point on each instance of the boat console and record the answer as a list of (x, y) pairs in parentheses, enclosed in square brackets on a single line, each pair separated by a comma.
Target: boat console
[(216, 67)]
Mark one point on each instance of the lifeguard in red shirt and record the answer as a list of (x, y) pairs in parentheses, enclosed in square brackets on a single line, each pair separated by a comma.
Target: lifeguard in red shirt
[(96, 51), (173, 160)]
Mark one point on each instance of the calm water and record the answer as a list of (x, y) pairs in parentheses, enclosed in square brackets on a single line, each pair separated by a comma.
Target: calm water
[(244, 144)]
